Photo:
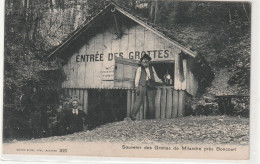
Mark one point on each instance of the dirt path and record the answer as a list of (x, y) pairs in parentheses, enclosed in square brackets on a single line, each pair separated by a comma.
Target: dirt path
[(206, 130)]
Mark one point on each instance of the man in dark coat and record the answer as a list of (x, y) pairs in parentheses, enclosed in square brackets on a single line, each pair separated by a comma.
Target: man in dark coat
[(144, 73), (74, 117)]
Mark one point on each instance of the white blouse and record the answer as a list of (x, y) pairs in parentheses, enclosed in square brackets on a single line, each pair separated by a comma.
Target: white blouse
[(138, 75)]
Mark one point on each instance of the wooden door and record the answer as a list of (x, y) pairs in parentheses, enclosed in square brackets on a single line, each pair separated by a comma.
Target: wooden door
[(124, 73)]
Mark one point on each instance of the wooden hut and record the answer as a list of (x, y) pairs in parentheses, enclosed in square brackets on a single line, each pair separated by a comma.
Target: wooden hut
[(103, 55)]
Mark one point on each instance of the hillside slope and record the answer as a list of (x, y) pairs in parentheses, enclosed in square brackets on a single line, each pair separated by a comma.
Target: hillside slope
[(230, 59)]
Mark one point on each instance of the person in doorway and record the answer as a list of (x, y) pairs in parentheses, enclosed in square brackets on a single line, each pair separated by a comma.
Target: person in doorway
[(75, 117), (145, 75)]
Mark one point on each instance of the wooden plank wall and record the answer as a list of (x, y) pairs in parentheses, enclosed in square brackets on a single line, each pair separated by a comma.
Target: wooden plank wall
[(135, 41), (169, 103)]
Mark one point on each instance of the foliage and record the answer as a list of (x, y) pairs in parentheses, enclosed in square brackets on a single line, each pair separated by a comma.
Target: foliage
[(206, 105), (209, 105), (241, 106)]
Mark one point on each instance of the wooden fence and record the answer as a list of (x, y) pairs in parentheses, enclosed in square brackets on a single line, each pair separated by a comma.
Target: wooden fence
[(169, 103)]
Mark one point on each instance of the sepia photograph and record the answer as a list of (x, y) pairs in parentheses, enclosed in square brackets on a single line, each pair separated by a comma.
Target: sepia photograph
[(127, 78)]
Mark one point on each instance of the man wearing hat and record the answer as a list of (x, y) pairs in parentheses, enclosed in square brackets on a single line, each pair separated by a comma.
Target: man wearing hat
[(145, 75)]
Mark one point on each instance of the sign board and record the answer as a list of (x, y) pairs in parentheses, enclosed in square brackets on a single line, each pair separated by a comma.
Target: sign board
[(93, 64), (107, 74)]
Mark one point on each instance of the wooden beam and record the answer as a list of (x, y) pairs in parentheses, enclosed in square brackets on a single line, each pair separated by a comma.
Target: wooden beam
[(163, 102), (177, 83), (129, 97), (70, 92), (181, 106), (118, 30), (169, 103), (175, 104), (86, 101), (132, 100), (140, 113), (81, 98), (184, 82), (77, 93), (157, 103), (145, 107), (162, 61)]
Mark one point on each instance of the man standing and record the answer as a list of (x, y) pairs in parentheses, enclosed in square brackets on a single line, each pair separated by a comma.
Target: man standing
[(74, 118), (144, 75)]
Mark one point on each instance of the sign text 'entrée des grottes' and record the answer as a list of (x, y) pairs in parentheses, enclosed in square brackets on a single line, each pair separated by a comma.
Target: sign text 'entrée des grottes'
[(135, 55)]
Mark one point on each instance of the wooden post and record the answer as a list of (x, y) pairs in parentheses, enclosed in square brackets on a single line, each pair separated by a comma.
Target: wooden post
[(163, 102), (169, 104), (157, 103), (86, 101), (145, 107), (81, 98), (66, 92), (129, 97), (132, 100), (141, 112), (177, 82), (184, 83), (188, 80), (138, 113), (77, 93), (70, 92), (175, 104), (181, 106), (119, 33)]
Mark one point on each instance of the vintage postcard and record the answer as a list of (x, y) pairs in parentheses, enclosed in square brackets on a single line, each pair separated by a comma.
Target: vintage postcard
[(139, 78)]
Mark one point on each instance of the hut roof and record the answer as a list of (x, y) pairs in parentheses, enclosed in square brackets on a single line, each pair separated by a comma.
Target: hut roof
[(207, 72), (112, 6)]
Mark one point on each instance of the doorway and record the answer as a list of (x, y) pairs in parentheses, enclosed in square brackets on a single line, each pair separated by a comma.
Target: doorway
[(106, 106)]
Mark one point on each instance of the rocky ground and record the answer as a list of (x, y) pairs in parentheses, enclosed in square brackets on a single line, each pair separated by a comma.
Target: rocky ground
[(204, 129)]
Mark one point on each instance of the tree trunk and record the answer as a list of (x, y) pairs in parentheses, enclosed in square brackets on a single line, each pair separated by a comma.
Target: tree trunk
[(156, 13), (25, 19), (30, 20), (51, 5), (229, 15), (174, 11), (73, 20), (151, 14), (17, 10), (62, 6), (133, 4), (36, 22), (191, 8)]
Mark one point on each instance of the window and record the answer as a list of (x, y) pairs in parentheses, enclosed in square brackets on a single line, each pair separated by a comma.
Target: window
[(165, 71)]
